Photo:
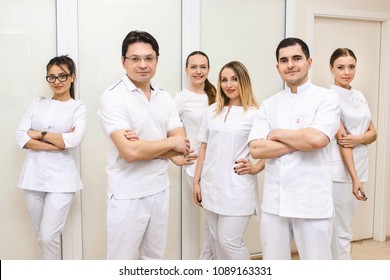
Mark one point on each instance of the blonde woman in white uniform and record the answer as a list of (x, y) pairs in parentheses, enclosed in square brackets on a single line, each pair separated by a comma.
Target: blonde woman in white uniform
[(191, 104), (225, 182), (350, 153), (50, 178)]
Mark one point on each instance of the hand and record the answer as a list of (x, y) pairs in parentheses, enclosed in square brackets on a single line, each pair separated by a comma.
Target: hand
[(348, 140), (34, 134), (188, 160), (131, 135), (197, 194), (181, 144), (271, 135), (245, 166), (358, 190)]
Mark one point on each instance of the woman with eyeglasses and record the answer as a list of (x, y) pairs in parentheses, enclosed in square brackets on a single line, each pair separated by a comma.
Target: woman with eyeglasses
[(50, 128)]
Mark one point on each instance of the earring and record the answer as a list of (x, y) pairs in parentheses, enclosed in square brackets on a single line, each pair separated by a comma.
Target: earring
[(332, 79)]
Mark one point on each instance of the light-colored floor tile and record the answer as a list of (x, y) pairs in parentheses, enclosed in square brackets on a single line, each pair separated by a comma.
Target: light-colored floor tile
[(368, 249)]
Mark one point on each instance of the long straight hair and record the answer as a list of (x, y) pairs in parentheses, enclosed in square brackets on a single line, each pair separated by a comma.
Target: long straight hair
[(244, 86)]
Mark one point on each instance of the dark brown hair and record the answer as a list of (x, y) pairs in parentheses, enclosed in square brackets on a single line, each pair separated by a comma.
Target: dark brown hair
[(288, 42), (340, 52), (64, 60), (139, 37), (209, 88)]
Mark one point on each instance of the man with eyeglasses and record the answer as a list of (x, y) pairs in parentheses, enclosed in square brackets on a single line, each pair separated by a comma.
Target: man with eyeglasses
[(144, 131)]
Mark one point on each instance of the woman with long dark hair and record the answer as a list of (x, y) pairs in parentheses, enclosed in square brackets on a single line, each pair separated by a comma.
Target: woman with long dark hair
[(50, 128), (191, 104)]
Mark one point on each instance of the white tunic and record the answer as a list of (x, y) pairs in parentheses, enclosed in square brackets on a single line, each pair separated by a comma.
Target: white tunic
[(299, 184), (52, 171), (356, 118), (223, 191), (191, 107), (124, 106)]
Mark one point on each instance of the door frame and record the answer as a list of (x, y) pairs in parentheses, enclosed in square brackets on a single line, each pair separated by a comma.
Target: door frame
[(382, 176), (67, 43), (190, 42)]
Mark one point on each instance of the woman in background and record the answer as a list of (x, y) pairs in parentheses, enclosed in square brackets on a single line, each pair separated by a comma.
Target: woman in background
[(350, 153), (50, 178), (225, 181), (191, 104)]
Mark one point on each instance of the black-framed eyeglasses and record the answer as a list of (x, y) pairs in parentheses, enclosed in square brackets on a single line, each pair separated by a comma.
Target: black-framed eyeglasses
[(61, 77)]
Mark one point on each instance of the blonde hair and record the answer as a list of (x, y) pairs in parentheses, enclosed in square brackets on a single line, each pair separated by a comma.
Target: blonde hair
[(244, 86)]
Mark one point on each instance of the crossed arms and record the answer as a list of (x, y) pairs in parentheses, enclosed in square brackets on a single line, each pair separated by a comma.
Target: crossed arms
[(134, 149), (283, 141)]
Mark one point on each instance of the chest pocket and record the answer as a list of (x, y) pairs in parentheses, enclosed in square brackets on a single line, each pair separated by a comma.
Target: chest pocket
[(303, 119)]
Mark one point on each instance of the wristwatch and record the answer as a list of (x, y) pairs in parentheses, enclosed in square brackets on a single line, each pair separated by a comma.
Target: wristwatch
[(43, 133)]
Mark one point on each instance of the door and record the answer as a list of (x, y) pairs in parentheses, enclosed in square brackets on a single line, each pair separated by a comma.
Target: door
[(351, 33)]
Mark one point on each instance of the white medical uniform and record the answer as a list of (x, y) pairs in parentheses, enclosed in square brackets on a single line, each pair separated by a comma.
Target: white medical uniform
[(192, 107), (50, 178), (124, 106), (356, 118), (224, 193), (298, 185)]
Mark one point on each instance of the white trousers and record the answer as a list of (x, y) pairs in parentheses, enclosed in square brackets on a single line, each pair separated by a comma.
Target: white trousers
[(312, 237), (227, 233), (208, 248), (190, 224), (48, 212), (137, 228), (345, 205)]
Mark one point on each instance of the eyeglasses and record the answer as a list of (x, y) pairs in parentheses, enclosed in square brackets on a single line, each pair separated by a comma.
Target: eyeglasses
[(61, 77), (137, 59)]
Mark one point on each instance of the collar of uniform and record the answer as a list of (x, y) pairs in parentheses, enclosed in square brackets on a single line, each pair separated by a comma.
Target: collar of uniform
[(341, 89), (130, 85), (301, 88)]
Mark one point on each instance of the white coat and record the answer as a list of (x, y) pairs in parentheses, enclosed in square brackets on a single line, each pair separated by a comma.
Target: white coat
[(356, 118), (299, 184), (52, 171), (223, 191)]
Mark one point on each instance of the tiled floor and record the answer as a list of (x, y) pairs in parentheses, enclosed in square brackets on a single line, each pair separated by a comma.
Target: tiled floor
[(364, 250), (371, 250)]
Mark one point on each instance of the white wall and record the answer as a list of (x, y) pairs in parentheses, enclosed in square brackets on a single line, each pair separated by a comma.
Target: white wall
[(27, 43)]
